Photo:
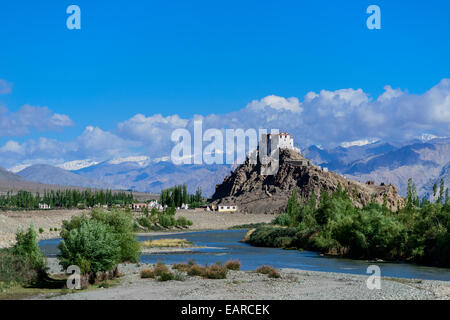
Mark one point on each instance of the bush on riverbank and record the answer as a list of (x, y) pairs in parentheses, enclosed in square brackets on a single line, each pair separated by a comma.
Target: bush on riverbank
[(15, 269), (98, 242), (161, 273), (420, 231), (24, 264), (233, 265), (269, 270), (159, 220), (215, 271), (93, 246)]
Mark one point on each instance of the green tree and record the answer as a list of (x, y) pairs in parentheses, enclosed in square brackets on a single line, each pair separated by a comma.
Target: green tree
[(292, 208), (27, 247), (441, 191), (93, 246)]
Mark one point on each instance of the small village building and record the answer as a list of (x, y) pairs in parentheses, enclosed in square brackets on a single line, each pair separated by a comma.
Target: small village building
[(44, 206), (138, 206), (227, 208)]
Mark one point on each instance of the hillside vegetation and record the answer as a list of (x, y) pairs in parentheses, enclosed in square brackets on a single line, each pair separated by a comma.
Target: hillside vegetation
[(418, 232)]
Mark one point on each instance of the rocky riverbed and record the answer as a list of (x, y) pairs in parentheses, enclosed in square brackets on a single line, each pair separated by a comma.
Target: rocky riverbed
[(248, 285)]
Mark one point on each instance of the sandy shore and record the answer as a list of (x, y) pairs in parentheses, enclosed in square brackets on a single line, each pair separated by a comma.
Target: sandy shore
[(11, 221), (247, 285)]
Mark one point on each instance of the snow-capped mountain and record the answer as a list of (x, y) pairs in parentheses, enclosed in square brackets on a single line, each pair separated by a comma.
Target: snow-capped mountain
[(76, 164)]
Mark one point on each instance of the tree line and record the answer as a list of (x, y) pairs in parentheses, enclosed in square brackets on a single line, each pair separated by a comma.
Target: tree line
[(65, 199), (178, 195)]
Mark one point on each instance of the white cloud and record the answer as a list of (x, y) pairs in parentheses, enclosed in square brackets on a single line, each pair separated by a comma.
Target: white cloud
[(276, 103), (389, 94), (328, 118), (12, 147), (30, 117)]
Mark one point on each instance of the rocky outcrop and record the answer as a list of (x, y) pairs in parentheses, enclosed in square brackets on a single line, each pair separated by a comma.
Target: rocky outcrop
[(256, 193)]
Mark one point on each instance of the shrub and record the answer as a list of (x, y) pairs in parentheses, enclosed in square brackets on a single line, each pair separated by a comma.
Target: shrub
[(264, 269), (145, 222), (122, 224), (41, 230), (27, 247), (268, 236), (196, 270), (215, 271), (233, 265), (283, 220), (93, 246), (16, 269), (147, 273), (160, 269), (274, 274), (166, 220), (183, 222), (166, 276), (179, 276), (160, 272), (180, 266)]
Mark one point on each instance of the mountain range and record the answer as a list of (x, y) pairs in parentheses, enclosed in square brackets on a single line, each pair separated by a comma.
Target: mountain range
[(426, 162)]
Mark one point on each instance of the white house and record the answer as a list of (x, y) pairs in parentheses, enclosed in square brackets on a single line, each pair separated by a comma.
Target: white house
[(44, 206), (227, 208)]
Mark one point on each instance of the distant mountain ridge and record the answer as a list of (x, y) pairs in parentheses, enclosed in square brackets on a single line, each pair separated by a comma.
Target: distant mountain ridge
[(157, 176), (46, 174), (425, 161), (6, 175)]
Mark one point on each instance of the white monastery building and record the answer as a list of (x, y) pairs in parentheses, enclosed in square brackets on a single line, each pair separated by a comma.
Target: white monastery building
[(282, 140)]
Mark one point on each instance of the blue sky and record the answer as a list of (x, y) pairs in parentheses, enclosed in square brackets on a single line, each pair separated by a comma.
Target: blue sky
[(208, 57)]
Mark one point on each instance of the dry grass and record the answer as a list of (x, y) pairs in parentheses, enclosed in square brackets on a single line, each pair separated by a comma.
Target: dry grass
[(147, 273), (233, 265), (166, 243), (196, 270), (269, 270), (215, 271), (160, 272)]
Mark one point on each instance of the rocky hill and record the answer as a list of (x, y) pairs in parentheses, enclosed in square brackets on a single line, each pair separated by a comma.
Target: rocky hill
[(256, 193), (5, 175)]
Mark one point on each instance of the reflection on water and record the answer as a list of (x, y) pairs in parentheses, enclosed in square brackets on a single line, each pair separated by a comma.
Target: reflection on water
[(223, 245)]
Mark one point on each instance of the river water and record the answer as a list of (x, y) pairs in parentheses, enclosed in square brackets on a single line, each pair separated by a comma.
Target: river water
[(222, 245)]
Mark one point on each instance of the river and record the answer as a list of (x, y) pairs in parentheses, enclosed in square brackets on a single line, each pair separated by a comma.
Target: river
[(222, 245)]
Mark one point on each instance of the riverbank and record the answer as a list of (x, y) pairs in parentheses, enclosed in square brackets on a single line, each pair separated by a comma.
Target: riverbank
[(247, 285), (11, 221)]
